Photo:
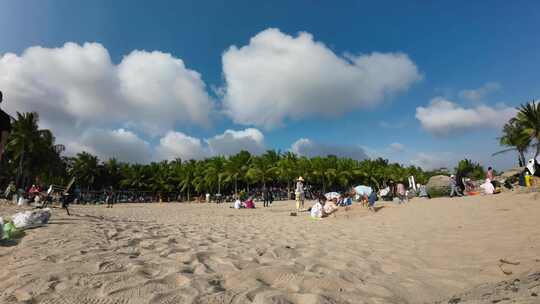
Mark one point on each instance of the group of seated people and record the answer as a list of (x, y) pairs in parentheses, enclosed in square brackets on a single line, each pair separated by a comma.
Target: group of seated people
[(247, 204), (325, 207)]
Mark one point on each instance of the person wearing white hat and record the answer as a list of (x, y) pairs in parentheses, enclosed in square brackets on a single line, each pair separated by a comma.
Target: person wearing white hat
[(299, 193)]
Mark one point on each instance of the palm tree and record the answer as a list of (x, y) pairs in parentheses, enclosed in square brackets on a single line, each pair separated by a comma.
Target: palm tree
[(33, 149), (86, 169), (261, 169), (135, 177), (529, 118), (187, 174), (286, 170), (112, 173), (236, 168), (214, 172), (515, 137)]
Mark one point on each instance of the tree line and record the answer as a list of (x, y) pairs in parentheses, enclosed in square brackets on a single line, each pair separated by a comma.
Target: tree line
[(32, 156)]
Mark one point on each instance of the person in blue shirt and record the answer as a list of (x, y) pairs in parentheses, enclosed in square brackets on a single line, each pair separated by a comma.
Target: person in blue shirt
[(371, 200)]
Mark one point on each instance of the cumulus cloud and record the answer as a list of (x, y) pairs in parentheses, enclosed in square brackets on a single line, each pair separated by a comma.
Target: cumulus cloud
[(397, 147), (309, 148), (481, 92), (444, 117), (177, 144), (79, 86), (277, 77), (120, 144), (232, 142)]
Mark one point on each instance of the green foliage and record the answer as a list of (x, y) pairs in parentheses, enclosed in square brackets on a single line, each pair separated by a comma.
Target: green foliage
[(438, 192), (34, 152), (468, 168)]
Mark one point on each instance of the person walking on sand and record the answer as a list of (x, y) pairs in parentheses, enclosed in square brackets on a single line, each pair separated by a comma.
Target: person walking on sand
[(299, 193), (454, 189)]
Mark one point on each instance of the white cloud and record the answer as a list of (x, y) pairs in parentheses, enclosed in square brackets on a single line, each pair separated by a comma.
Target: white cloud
[(121, 144), (481, 92), (177, 144), (160, 91), (444, 117), (76, 87), (277, 77), (309, 148), (397, 147), (232, 142)]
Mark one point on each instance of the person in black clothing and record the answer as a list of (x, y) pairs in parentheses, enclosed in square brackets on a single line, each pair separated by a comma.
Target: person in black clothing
[(267, 197), (5, 128), (67, 198)]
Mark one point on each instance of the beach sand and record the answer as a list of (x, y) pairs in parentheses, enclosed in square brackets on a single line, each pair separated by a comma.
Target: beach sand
[(426, 251)]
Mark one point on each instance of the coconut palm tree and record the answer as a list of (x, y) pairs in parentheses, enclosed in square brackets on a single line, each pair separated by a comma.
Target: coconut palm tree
[(86, 169), (529, 118), (261, 169), (285, 170), (236, 168), (516, 139), (30, 147)]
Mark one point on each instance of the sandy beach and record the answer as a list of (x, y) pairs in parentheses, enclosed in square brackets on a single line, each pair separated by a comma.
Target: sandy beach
[(427, 251)]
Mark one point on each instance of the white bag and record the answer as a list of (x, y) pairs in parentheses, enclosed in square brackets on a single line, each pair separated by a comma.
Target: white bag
[(22, 202), (30, 219)]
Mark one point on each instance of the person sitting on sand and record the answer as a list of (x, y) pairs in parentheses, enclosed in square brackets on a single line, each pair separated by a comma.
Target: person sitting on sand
[(249, 203), (422, 191), (347, 200), (330, 207), (317, 209), (238, 204), (488, 187)]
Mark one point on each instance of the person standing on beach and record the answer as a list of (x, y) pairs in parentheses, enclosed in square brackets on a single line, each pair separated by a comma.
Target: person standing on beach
[(5, 128), (109, 199), (489, 174), (454, 189), (266, 197), (299, 193)]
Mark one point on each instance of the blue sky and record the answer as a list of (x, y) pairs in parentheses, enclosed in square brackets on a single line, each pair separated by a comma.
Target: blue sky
[(489, 48)]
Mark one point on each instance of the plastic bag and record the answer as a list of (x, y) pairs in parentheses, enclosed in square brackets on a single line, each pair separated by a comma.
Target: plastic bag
[(1, 227), (22, 202), (10, 231), (29, 219)]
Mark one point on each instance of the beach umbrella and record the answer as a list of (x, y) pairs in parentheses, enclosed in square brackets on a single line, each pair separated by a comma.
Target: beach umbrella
[(362, 190), (332, 195)]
